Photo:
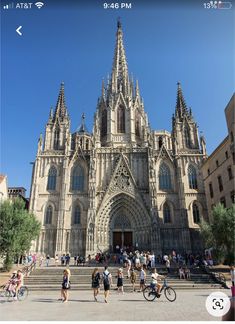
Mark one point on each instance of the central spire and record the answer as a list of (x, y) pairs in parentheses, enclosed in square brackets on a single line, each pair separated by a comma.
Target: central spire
[(181, 107), (119, 70), (61, 110)]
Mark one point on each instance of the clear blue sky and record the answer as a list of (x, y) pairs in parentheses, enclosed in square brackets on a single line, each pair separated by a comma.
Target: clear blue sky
[(75, 44)]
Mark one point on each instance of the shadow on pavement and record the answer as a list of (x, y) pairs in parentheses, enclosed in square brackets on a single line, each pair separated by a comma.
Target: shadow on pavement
[(142, 301), (50, 300)]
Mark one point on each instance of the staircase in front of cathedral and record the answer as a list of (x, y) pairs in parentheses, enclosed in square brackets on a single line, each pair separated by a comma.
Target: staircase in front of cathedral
[(50, 278)]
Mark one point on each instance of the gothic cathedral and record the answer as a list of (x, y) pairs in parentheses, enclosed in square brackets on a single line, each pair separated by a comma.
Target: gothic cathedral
[(123, 184)]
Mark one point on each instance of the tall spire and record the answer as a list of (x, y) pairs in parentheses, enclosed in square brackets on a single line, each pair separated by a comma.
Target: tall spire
[(61, 110), (119, 70), (181, 108)]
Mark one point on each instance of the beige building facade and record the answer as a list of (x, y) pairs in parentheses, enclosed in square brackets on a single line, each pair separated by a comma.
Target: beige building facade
[(218, 169), (3, 187), (123, 184)]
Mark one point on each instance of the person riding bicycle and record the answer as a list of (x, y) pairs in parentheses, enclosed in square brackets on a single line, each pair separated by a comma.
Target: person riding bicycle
[(11, 286), (154, 281), (19, 282)]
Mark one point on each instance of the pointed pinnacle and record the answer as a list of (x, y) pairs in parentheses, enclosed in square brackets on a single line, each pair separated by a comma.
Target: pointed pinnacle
[(119, 25), (137, 90), (60, 106)]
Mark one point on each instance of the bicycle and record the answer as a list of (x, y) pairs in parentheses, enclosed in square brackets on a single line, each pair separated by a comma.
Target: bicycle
[(22, 293), (150, 293)]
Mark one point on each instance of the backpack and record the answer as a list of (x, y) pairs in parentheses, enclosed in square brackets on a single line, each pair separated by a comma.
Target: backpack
[(106, 278)]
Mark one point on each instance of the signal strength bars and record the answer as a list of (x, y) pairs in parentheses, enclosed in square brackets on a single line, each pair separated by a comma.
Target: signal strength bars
[(9, 6)]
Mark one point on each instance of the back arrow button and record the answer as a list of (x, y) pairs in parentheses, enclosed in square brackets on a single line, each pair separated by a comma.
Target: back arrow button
[(18, 30)]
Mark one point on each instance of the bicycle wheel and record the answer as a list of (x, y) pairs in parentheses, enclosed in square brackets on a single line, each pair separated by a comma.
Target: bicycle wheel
[(2, 291), (170, 294), (22, 293), (149, 293), (8, 295)]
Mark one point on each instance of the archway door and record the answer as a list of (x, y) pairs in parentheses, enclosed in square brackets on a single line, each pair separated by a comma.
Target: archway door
[(122, 238)]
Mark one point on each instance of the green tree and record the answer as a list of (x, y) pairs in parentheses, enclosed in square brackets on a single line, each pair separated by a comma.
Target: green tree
[(18, 228), (219, 233)]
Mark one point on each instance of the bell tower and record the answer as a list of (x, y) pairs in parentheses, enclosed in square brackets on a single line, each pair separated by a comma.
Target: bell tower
[(184, 128), (58, 125)]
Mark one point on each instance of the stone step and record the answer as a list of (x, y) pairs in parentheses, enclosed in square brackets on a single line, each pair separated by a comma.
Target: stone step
[(126, 288), (50, 278)]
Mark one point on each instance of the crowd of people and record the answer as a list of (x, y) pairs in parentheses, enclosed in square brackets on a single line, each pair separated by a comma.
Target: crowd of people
[(136, 263)]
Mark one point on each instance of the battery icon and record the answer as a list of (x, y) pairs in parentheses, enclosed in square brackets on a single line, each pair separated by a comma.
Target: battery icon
[(224, 5)]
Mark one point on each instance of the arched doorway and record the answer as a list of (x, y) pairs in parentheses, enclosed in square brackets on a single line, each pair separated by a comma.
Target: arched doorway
[(137, 223), (122, 233)]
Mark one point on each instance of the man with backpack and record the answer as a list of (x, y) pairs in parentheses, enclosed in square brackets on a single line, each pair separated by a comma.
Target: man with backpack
[(107, 281)]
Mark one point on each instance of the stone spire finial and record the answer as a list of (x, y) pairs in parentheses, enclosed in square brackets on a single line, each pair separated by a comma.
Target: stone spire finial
[(60, 106), (82, 128), (51, 113), (181, 108), (119, 25), (119, 70)]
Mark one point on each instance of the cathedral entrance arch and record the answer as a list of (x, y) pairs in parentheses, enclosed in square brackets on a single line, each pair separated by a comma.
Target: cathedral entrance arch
[(123, 221), (122, 233)]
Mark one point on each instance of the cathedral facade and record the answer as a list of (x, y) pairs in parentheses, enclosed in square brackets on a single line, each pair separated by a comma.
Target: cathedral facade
[(123, 184)]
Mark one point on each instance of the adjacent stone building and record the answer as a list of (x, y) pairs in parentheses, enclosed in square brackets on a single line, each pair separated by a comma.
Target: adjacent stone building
[(218, 170), (18, 192), (123, 183), (3, 187)]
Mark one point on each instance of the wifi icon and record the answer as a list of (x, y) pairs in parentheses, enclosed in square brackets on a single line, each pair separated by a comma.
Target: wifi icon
[(39, 4)]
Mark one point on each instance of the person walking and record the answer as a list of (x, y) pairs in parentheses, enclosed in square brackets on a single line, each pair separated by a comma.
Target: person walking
[(95, 282), (168, 265), (133, 278), (142, 279), (67, 260), (107, 281), (65, 285), (128, 267), (120, 280), (47, 260), (56, 260)]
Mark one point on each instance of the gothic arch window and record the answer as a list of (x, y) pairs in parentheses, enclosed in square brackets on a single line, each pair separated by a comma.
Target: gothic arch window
[(122, 222), (187, 137), (164, 177), (56, 139), (87, 144), (192, 177), (51, 181), (77, 181), (104, 123), (196, 214), (121, 119), (77, 215), (166, 213), (48, 215), (160, 142), (137, 123)]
